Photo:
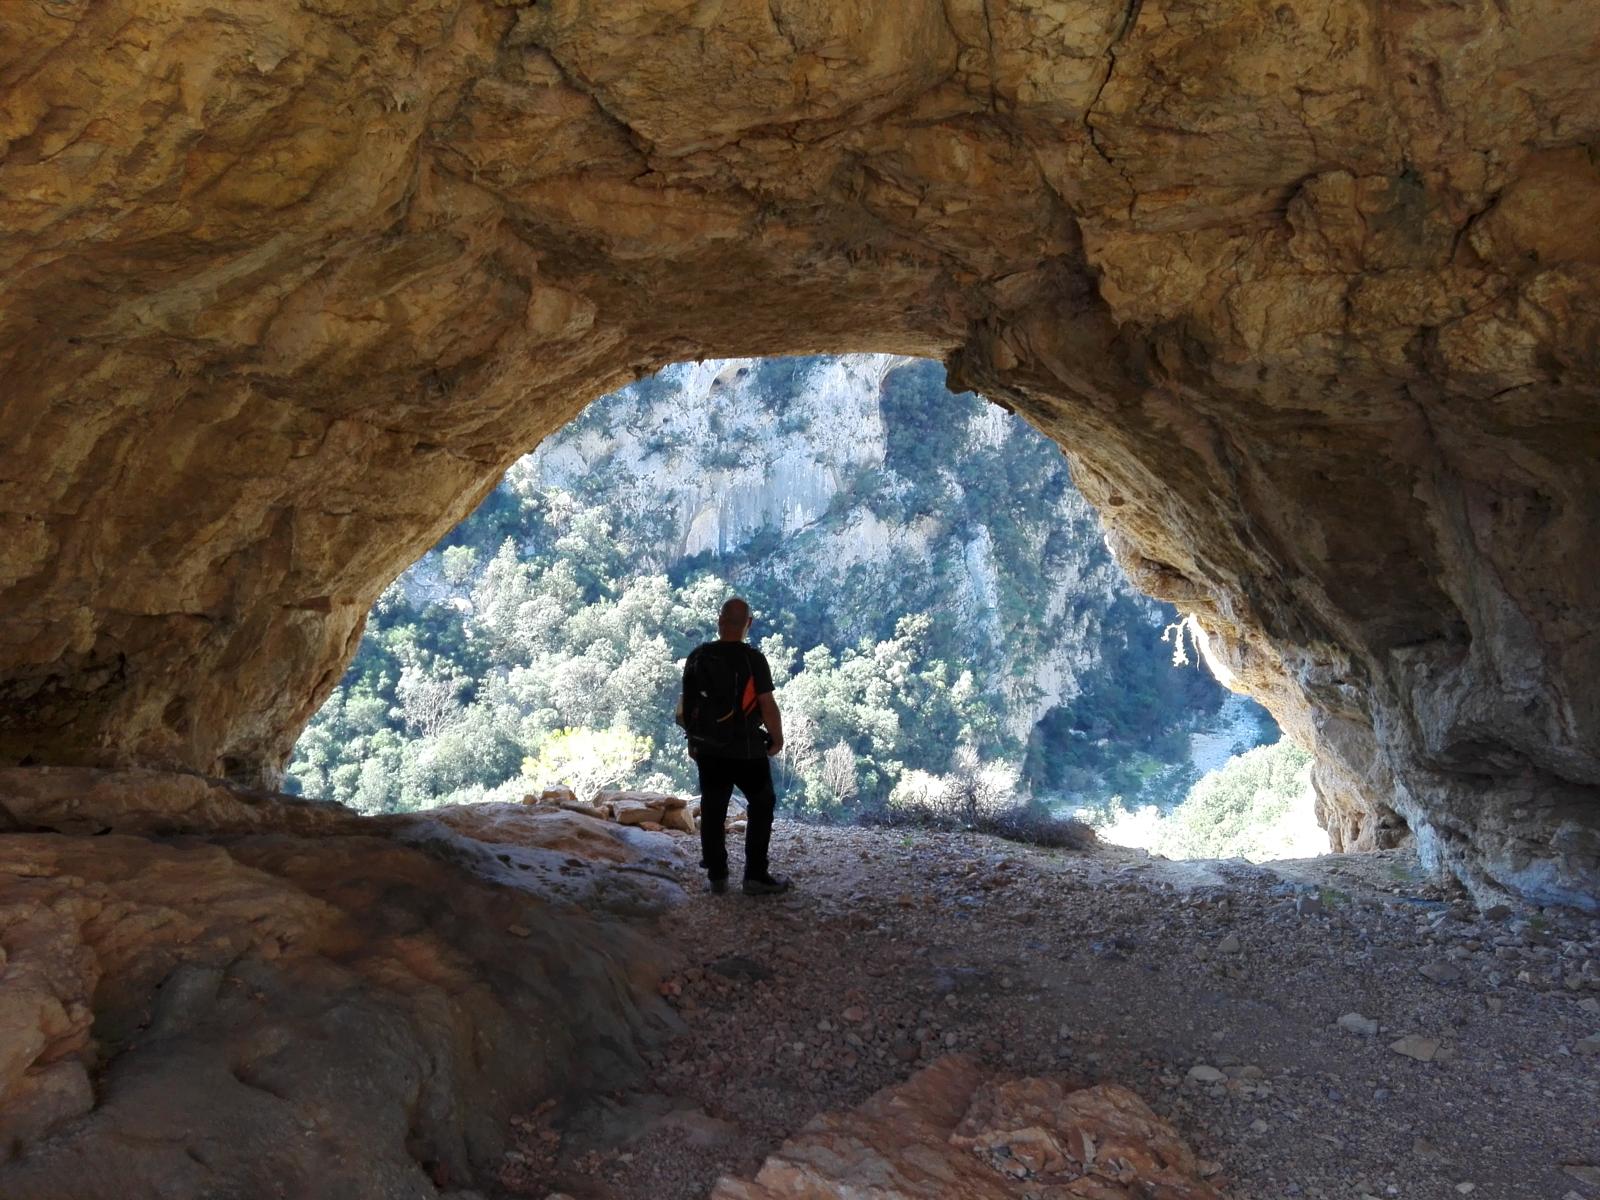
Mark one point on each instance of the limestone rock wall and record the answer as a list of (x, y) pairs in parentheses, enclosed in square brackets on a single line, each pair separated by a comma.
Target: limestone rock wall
[(1310, 290)]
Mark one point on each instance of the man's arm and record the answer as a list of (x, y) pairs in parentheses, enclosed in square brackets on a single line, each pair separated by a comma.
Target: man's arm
[(680, 715), (773, 720)]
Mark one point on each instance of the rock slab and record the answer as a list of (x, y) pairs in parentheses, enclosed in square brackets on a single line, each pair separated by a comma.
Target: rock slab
[(178, 1007), (954, 1129)]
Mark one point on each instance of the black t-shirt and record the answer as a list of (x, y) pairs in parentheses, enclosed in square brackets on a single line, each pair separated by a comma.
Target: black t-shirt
[(721, 681)]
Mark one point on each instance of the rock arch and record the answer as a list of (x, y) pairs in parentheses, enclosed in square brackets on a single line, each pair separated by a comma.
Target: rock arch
[(1310, 292)]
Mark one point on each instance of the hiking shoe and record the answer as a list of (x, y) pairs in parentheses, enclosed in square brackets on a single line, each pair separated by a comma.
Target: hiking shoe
[(719, 886), (766, 885)]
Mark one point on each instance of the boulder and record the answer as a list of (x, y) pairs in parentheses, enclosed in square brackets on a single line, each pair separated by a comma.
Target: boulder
[(633, 812), (954, 1129), (679, 819), (660, 801), (242, 987)]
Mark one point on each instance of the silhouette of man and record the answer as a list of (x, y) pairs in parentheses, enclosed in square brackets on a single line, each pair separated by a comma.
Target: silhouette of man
[(734, 728)]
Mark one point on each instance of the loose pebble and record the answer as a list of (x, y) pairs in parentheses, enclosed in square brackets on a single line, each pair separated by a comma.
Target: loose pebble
[(1355, 1023)]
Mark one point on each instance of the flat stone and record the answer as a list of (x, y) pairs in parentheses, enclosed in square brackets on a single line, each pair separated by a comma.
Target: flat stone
[(955, 1131), (700, 1128), (1309, 904), (1588, 1173), (1413, 1045), (1204, 1073), (1354, 1022), (633, 812), (598, 811)]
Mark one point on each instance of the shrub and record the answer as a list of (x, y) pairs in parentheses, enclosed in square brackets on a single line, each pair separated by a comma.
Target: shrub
[(978, 798), (586, 760), (1258, 805)]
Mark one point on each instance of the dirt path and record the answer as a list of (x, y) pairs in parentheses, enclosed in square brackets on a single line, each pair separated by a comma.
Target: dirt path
[(897, 947)]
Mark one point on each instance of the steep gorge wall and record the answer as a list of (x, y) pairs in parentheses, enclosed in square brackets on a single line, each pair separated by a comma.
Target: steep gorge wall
[(782, 473), (1310, 290)]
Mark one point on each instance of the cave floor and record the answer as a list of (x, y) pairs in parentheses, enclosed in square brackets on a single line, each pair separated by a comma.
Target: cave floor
[(898, 946)]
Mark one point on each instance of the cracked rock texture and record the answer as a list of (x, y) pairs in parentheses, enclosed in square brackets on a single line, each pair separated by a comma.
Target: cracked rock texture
[(953, 1129), (235, 994), (1309, 290)]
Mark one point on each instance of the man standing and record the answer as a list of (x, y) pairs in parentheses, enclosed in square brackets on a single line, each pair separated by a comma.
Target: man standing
[(734, 728)]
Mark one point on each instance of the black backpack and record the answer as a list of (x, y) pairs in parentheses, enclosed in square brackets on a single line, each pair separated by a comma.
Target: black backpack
[(720, 712)]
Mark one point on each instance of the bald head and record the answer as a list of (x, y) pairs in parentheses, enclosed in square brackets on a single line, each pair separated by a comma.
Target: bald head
[(733, 622)]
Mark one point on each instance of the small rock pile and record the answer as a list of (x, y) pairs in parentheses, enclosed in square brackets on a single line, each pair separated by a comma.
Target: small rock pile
[(654, 811)]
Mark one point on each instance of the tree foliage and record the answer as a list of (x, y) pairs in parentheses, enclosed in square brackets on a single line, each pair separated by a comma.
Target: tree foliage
[(1259, 805), (542, 641)]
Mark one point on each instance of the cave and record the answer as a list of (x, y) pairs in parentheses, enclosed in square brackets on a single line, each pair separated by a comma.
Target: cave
[(1308, 297), (1309, 292)]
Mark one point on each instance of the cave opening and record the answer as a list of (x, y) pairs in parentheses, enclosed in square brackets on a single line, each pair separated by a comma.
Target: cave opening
[(951, 640), (1311, 290)]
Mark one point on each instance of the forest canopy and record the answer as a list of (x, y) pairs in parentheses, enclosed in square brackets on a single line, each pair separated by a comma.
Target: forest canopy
[(936, 581)]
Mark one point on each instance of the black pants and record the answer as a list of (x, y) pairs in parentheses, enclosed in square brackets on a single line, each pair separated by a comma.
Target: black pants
[(718, 778)]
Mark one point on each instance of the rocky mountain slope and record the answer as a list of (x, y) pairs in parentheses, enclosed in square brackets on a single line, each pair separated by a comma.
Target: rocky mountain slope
[(859, 488)]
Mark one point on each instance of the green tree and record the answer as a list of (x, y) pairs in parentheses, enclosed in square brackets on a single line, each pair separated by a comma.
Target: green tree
[(458, 564), (586, 760)]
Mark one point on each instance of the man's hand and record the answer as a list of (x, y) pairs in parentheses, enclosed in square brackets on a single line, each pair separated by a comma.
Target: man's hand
[(773, 720)]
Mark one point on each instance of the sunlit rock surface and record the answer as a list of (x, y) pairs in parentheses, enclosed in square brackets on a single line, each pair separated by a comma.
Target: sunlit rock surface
[(280, 998), (1310, 290), (954, 1129)]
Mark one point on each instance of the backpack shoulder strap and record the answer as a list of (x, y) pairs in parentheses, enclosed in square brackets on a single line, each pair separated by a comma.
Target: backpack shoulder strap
[(749, 685)]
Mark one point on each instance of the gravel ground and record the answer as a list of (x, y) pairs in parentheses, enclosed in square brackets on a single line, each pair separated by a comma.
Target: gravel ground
[(1214, 990)]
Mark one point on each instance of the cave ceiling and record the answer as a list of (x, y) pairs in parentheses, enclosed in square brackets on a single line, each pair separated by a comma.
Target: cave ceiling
[(1308, 290)]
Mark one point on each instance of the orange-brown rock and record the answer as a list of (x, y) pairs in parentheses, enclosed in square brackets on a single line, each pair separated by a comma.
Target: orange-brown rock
[(1309, 290), (351, 1010), (955, 1130)]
